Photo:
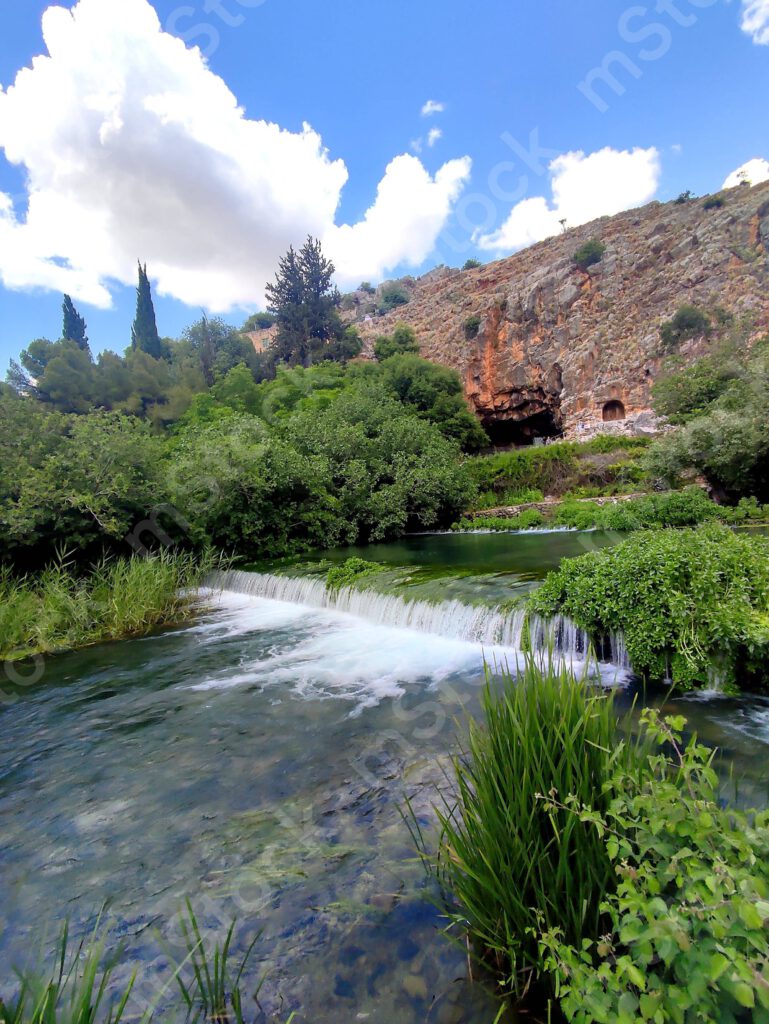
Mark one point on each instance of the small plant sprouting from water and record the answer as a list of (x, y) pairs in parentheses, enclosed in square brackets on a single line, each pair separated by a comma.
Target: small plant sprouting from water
[(213, 991), (350, 572)]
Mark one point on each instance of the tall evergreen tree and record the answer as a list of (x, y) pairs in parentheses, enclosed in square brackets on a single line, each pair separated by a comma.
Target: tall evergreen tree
[(144, 332), (305, 304), (73, 327)]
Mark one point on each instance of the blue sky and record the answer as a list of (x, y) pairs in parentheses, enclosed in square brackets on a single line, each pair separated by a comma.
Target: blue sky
[(688, 109)]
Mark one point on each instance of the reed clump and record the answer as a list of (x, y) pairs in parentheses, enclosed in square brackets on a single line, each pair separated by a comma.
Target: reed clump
[(511, 863), (61, 608)]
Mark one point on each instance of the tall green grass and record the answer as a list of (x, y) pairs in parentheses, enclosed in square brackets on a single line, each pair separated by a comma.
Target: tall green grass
[(60, 609), (78, 990), (511, 867), (81, 987)]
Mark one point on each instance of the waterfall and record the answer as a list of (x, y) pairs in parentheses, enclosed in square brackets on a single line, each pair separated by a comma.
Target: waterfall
[(483, 624)]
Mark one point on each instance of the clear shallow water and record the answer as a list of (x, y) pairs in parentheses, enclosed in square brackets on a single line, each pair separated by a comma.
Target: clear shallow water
[(256, 761)]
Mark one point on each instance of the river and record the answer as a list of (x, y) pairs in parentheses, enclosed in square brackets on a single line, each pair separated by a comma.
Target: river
[(258, 761)]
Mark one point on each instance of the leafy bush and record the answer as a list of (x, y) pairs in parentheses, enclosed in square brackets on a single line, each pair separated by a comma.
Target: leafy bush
[(367, 287), (684, 197), (714, 202), (553, 468), (512, 866), (392, 296), (688, 322), (435, 393), (350, 572), (687, 392), (402, 341), (526, 520), (260, 322), (686, 937), (589, 254), (472, 326), (471, 264), (690, 603)]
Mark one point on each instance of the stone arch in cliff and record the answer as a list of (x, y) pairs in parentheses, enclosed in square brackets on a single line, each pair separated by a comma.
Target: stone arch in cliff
[(613, 410)]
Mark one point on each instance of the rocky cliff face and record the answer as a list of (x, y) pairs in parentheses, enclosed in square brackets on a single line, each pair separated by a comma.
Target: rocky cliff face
[(561, 349)]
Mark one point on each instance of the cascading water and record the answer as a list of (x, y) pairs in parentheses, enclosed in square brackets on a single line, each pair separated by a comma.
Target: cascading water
[(492, 626)]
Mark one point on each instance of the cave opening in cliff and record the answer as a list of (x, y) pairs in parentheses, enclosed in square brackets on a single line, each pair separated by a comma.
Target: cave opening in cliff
[(508, 433)]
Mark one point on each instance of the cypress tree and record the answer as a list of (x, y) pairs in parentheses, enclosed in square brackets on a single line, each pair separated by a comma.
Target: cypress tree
[(144, 332), (74, 327)]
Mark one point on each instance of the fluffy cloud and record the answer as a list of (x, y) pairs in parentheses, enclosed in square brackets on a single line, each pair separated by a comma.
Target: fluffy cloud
[(433, 107), (433, 136), (133, 148), (583, 188), (755, 171), (755, 20)]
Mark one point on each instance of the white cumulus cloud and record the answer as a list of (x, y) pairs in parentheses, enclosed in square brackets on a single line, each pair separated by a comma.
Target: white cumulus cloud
[(433, 136), (433, 107), (755, 20), (583, 187), (132, 148), (753, 171)]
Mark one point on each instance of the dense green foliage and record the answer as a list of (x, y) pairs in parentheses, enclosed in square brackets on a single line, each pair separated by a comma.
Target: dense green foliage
[(392, 295), (402, 341), (714, 202), (723, 402), (359, 467), (686, 934), (349, 572), (688, 322), (589, 254), (692, 605), (557, 468), (202, 440), (688, 507), (605, 872), (472, 326), (260, 322), (471, 264), (59, 609), (528, 519), (685, 392), (512, 867)]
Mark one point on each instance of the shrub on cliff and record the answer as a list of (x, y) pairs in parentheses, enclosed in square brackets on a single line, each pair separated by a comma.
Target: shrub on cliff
[(688, 322), (392, 296), (472, 326), (402, 341), (471, 264), (589, 254)]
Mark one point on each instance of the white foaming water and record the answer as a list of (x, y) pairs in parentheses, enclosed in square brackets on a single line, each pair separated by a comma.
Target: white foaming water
[(453, 620), (321, 653)]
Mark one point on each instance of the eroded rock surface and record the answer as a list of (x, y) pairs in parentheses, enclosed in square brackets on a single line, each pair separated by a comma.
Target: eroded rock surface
[(558, 348)]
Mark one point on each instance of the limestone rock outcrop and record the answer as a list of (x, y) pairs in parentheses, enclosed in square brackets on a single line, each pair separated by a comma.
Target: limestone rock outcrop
[(544, 347)]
